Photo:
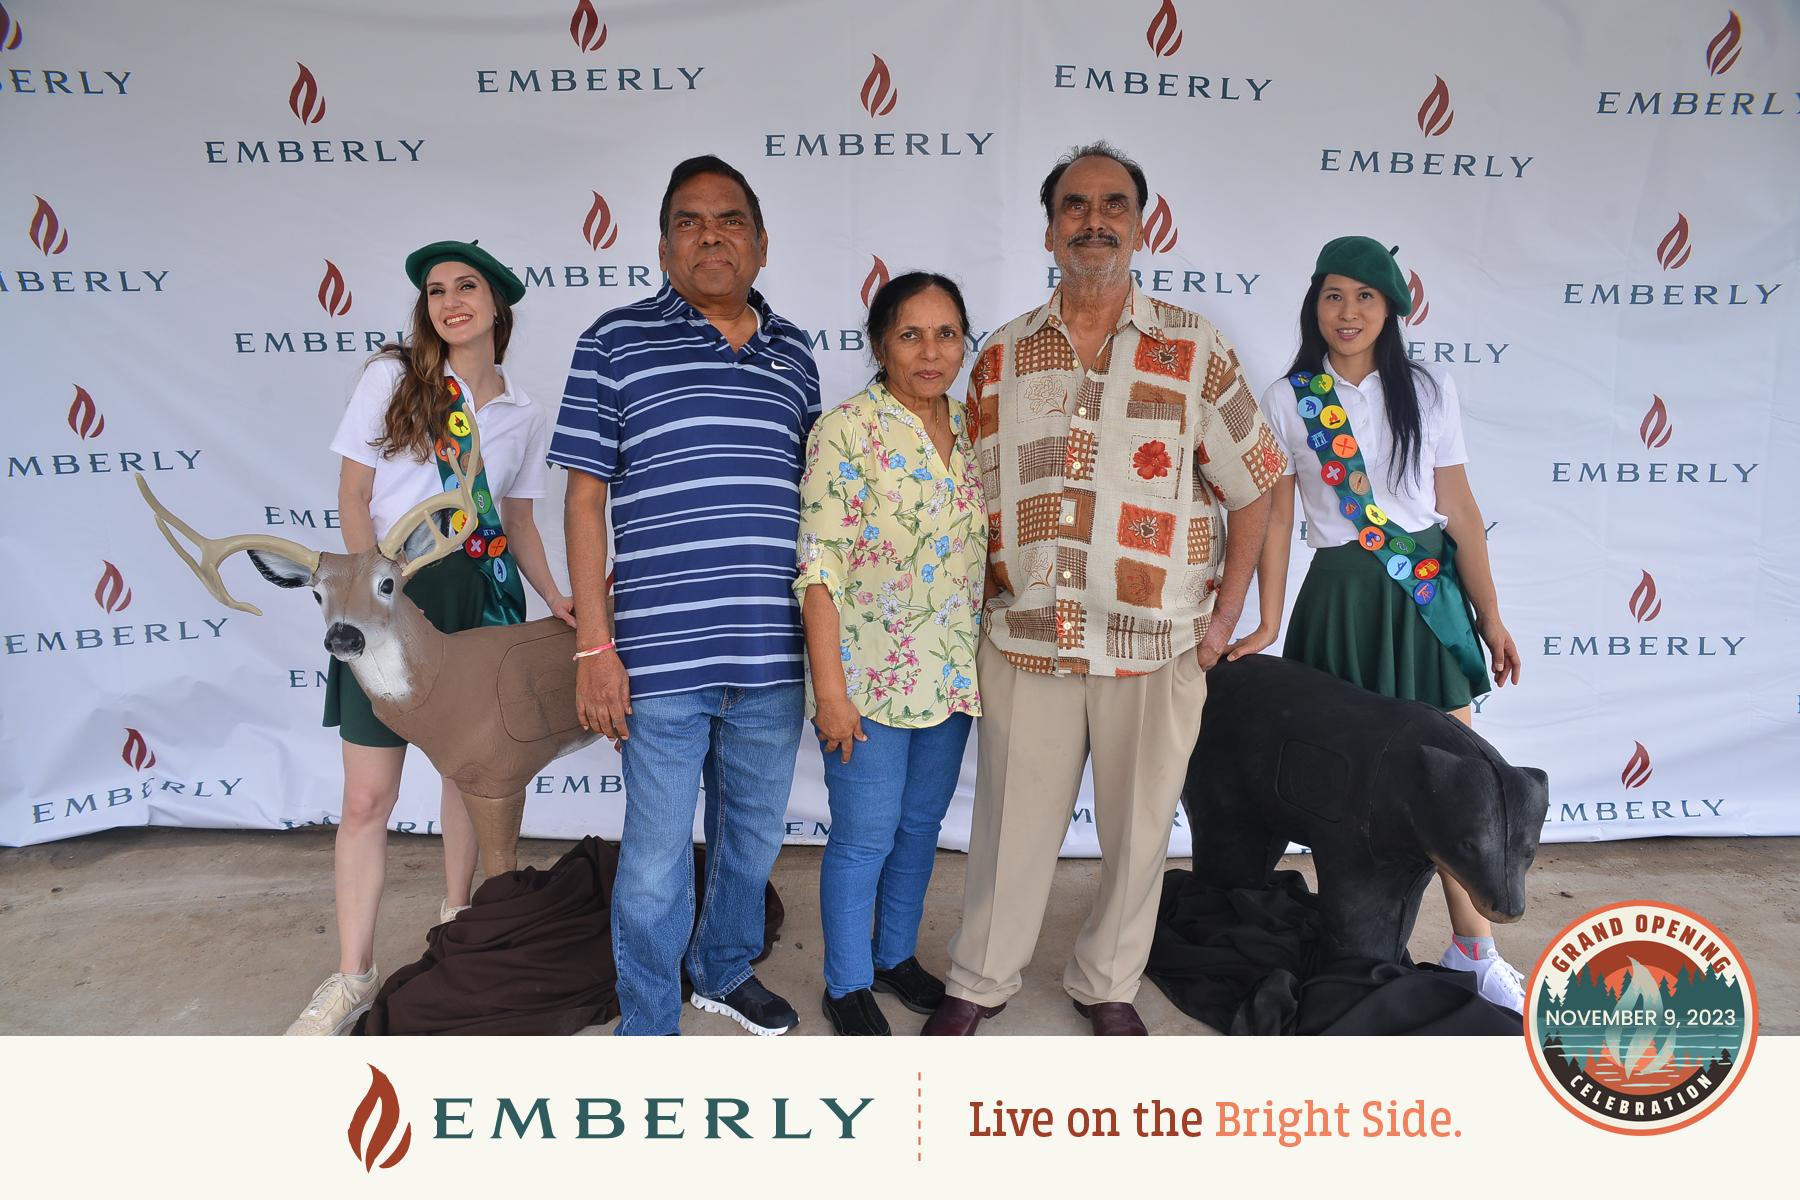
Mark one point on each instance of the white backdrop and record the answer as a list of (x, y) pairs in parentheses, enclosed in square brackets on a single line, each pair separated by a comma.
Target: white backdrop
[(206, 204)]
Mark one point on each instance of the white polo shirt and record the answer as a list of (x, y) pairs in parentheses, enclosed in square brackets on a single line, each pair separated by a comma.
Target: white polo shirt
[(514, 439), (1410, 501)]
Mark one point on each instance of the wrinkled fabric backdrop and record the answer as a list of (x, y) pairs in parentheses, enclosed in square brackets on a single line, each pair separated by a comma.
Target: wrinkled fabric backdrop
[(206, 204)]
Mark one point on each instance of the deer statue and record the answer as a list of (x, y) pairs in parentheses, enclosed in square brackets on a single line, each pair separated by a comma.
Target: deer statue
[(489, 706)]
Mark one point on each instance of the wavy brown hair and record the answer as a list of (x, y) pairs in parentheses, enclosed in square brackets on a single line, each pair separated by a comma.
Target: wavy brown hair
[(420, 403)]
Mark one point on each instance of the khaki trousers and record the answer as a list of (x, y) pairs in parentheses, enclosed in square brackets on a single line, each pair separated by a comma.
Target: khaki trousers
[(1037, 731)]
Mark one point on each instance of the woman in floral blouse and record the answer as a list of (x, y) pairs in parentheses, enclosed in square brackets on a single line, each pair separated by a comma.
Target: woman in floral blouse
[(893, 539)]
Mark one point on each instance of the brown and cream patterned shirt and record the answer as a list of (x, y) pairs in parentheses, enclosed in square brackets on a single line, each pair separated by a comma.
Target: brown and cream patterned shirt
[(1106, 488)]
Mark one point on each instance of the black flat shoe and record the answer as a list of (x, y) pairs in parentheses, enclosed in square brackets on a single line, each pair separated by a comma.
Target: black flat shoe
[(855, 1014), (917, 988)]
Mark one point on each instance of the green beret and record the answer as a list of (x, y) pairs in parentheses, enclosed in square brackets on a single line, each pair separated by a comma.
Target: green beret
[(420, 262), (1367, 261)]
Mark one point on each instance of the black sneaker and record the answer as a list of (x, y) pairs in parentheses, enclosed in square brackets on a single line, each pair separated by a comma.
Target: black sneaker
[(855, 1014), (917, 988), (754, 1007)]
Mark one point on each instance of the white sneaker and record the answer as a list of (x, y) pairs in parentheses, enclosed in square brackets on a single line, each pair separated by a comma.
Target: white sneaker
[(447, 911), (340, 1000), (1496, 979)]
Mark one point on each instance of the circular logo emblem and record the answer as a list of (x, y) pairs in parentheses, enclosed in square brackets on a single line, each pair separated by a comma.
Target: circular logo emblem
[(446, 450), (1332, 473), (1399, 566), (1343, 445), (1351, 510), (1317, 438), (476, 546), (1331, 416), (458, 519), (1640, 1017), (499, 566), (1400, 543), (497, 545), (1300, 379), (1359, 483), (454, 388), (1428, 568), (1372, 538), (1376, 516), (459, 423), (1309, 407), (1321, 383), (1423, 593), (483, 501)]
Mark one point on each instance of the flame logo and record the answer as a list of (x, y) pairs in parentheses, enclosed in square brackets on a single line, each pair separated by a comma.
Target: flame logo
[(1643, 603), (381, 1096), (304, 99), (84, 418), (1722, 51), (1420, 306), (874, 281), (1435, 114), (11, 29), (47, 233), (1654, 430), (1160, 233), (878, 91), (598, 229), (334, 293), (1164, 31), (111, 593), (1673, 251), (585, 27), (137, 755), (1637, 770)]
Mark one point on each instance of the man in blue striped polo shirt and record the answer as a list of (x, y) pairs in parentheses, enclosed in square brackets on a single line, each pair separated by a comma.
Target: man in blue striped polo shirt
[(689, 412)]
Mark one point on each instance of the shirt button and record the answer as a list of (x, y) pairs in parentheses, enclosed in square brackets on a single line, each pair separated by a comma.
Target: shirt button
[(1081, 412), (1068, 574)]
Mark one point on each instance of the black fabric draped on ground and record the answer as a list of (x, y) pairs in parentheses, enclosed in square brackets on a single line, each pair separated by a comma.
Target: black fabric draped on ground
[(531, 955), (1245, 961)]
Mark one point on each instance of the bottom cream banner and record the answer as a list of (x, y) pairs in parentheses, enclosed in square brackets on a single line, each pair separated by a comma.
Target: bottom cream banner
[(755, 1117)]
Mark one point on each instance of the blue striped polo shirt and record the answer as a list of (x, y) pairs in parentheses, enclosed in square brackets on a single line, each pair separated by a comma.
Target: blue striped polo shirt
[(700, 447)]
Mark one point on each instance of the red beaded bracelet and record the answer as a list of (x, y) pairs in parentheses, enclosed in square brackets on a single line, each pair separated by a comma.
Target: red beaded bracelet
[(593, 650)]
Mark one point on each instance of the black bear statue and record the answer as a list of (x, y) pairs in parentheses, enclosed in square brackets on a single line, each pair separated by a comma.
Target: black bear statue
[(1381, 790)]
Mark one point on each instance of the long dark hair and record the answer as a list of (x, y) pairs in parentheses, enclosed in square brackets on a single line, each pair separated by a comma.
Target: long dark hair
[(884, 309), (420, 404), (1399, 392)]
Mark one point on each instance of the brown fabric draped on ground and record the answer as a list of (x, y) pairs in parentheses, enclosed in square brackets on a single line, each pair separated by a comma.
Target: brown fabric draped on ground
[(532, 955), (1245, 961)]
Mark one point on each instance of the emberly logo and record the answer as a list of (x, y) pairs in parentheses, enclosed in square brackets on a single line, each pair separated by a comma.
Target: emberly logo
[(875, 280), (1635, 773), (50, 237), (1469, 353), (113, 596), (1673, 250), (1643, 605), (382, 1103), (588, 32), (136, 754), (1164, 37), (598, 232), (44, 81), (1655, 431), (877, 97), (1160, 237), (335, 299), (1720, 55), (306, 101), (1434, 119), (87, 423)]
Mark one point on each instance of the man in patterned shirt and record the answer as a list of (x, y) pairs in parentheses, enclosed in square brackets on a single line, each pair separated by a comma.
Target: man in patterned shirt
[(1114, 433)]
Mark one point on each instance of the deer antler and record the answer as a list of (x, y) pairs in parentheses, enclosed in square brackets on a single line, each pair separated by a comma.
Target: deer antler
[(462, 499), (214, 551)]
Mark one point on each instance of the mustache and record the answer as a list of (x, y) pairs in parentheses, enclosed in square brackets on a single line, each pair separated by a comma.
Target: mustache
[(1094, 237)]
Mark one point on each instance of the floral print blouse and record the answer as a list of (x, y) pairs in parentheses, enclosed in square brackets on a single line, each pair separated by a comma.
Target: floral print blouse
[(899, 540)]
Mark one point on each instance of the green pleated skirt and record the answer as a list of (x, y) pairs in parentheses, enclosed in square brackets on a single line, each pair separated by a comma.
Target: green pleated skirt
[(1354, 622), (451, 593)]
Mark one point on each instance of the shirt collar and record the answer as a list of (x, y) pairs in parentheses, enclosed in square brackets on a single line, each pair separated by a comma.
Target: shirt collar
[(506, 395), (1139, 311), (1370, 386), (673, 306)]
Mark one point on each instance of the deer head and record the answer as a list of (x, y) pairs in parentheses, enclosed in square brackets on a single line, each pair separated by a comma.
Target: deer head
[(369, 624)]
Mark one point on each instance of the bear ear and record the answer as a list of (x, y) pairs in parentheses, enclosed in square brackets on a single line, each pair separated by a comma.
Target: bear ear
[(1445, 772)]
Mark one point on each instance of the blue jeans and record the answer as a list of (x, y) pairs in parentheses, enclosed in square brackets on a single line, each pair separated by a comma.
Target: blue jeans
[(741, 743), (887, 804)]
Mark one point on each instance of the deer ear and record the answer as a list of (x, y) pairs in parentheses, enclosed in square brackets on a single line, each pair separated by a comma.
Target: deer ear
[(280, 570)]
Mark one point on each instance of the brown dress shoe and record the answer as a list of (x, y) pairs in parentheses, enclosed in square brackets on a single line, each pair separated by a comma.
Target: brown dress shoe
[(1113, 1019), (957, 1018)]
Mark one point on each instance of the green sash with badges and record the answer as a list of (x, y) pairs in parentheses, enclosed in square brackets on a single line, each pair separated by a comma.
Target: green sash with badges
[(505, 603), (1430, 584)]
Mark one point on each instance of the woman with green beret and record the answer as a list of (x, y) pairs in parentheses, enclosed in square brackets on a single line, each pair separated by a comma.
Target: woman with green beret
[(1375, 442), (414, 400)]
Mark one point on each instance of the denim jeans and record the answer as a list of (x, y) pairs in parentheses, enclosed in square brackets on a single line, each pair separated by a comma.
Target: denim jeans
[(741, 743), (887, 804)]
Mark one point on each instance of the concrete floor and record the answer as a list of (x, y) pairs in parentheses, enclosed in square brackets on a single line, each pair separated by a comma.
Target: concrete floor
[(200, 931)]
